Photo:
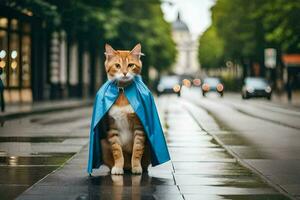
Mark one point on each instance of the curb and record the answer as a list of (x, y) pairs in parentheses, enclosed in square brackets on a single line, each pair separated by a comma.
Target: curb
[(15, 115), (233, 154)]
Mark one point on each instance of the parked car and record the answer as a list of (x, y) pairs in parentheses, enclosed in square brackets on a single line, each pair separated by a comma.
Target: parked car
[(166, 85), (256, 87), (212, 84)]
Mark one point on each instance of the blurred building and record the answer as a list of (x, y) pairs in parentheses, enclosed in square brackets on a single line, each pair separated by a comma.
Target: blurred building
[(186, 62), (40, 63)]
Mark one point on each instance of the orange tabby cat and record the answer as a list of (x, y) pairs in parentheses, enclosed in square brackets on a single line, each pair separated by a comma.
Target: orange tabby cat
[(125, 146)]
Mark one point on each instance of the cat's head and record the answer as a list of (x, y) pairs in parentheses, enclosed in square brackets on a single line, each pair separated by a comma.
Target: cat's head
[(122, 66)]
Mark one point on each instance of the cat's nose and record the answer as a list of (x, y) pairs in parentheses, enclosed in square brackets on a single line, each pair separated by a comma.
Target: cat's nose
[(125, 73)]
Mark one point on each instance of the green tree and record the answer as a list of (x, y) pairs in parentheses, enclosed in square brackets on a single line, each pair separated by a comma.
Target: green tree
[(143, 22), (247, 28), (211, 49), (243, 34), (121, 23), (280, 19), (39, 8)]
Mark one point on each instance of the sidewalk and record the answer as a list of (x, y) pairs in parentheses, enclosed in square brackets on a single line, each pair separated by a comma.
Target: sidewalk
[(19, 110), (282, 99), (200, 169)]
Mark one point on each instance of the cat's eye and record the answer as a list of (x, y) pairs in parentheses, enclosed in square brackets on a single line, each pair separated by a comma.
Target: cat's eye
[(130, 65), (118, 66)]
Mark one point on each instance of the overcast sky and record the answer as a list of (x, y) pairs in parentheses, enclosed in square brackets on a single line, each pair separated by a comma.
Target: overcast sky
[(195, 13)]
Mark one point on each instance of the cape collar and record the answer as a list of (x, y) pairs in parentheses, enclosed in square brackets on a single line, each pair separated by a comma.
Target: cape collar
[(122, 89)]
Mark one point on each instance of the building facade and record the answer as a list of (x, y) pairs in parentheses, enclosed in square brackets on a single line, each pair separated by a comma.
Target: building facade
[(41, 64), (186, 61)]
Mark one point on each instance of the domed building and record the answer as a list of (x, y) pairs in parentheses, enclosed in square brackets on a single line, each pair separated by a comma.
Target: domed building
[(186, 62)]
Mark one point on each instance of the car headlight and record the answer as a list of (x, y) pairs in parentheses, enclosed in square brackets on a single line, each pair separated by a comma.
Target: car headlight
[(205, 87), (220, 87), (176, 88), (250, 89), (268, 89), (197, 82), (160, 88)]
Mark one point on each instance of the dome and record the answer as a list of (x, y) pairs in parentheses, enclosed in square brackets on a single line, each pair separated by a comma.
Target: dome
[(179, 25)]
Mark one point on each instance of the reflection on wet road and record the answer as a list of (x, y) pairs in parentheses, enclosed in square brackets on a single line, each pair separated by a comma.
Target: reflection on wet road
[(200, 169), (264, 135), (32, 147)]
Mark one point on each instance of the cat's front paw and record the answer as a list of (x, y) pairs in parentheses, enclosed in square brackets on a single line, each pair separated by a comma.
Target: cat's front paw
[(137, 170), (117, 171)]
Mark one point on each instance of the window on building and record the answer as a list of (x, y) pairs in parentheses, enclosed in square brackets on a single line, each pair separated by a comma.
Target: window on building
[(3, 22), (14, 24), (14, 56), (26, 27), (26, 56), (3, 55)]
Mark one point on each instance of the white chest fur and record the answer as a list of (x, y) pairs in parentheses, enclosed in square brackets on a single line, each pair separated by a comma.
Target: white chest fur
[(119, 114)]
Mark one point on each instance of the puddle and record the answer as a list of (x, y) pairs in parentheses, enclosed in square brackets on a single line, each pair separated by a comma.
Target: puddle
[(46, 121), (19, 172), (129, 180), (32, 139), (34, 160), (36, 139)]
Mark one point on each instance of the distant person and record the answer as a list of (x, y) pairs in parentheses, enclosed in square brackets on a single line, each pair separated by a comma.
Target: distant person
[(289, 88), (1, 92)]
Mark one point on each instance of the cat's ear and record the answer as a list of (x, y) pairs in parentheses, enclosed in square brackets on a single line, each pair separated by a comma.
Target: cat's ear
[(109, 51), (137, 51)]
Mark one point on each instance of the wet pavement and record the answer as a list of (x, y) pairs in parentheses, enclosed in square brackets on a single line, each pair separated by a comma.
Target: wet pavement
[(200, 167), (13, 111), (32, 147), (263, 135)]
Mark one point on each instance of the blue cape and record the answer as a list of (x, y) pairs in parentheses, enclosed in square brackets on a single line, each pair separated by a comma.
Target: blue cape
[(141, 100)]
